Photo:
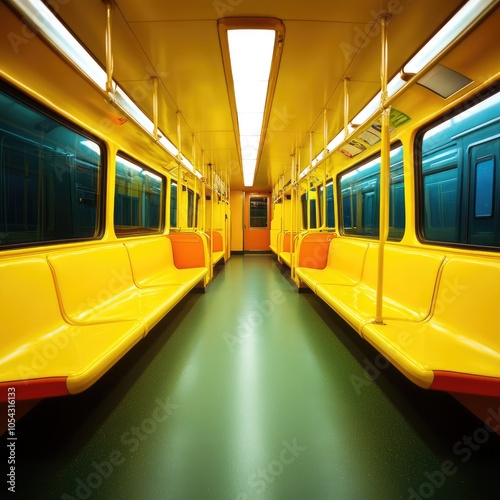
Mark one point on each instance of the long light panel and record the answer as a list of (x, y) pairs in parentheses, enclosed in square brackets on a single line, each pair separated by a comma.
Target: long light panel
[(458, 25), (59, 36), (464, 20), (251, 51), (251, 54)]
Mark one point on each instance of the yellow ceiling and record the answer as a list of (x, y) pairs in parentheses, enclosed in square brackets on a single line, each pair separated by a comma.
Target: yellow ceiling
[(325, 42)]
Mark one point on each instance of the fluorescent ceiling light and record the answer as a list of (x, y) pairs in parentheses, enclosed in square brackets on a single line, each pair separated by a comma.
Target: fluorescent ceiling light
[(394, 86), (190, 167), (132, 110), (336, 141), (469, 14), (45, 22), (168, 146), (455, 27), (248, 171), (250, 94), (250, 124), (251, 54)]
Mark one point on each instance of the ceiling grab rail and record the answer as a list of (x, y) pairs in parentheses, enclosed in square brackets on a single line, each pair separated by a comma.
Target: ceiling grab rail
[(109, 51), (156, 136)]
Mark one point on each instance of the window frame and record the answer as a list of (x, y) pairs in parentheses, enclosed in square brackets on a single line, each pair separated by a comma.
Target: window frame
[(363, 193), (258, 228), (140, 230), (464, 165), (101, 178)]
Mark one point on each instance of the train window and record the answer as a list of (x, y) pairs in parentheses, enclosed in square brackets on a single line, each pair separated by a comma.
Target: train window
[(138, 198), (485, 175), (258, 212), (330, 215), (311, 195), (456, 159), (192, 208), (51, 176), (360, 197), (173, 204)]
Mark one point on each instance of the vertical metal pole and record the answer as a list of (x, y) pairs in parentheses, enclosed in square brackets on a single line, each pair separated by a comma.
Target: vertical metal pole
[(195, 194), (214, 192), (308, 180), (179, 136), (109, 51), (346, 129), (203, 193), (155, 107), (385, 165), (179, 177), (346, 107), (323, 206), (227, 217), (294, 186)]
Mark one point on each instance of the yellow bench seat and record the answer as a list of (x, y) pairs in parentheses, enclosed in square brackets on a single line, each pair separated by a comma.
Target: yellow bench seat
[(152, 263), (344, 265), (457, 348), (96, 285), (409, 280), (68, 316), (42, 355), (287, 247)]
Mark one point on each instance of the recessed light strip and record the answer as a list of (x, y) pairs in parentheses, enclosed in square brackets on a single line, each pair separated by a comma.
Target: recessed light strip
[(58, 35), (464, 20), (457, 26), (251, 54)]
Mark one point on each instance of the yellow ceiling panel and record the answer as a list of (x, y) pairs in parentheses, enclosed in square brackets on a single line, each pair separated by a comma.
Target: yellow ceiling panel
[(325, 42)]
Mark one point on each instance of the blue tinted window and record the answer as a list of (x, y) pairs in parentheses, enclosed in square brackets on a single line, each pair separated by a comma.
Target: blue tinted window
[(50, 177), (330, 207), (138, 195), (441, 214), (460, 190), (312, 208), (485, 175), (360, 197), (173, 204)]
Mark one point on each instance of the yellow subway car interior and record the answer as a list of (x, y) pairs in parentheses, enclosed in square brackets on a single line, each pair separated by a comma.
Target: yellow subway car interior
[(250, 249)]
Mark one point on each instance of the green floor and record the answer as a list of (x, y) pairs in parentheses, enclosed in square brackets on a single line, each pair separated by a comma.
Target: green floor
[(254, 391)]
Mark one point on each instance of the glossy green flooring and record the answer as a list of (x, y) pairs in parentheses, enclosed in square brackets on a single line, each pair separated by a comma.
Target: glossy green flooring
[(254, 391)]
